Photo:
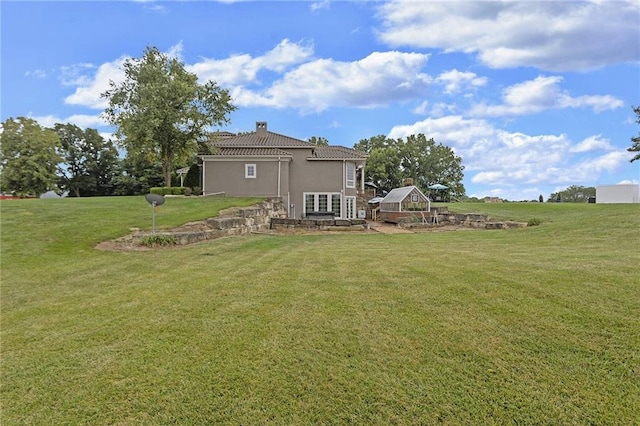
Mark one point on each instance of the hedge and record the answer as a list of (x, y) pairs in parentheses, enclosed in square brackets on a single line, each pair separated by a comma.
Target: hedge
[(168, 190)]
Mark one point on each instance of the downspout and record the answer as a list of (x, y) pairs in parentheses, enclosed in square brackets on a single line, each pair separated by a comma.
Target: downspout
[(279, 171), (342, 196), (204, 167)]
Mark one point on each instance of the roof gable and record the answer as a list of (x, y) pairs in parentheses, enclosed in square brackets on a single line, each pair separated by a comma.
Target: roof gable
[(253, 140), (397, 195), (261, 140)]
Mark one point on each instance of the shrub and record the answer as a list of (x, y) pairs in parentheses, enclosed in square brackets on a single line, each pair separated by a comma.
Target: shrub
[(156, 240), (192, 179), (168, 190), (534, 222)]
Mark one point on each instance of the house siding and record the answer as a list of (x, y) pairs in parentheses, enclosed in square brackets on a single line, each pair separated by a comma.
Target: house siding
[(229, 177), (316, 176)]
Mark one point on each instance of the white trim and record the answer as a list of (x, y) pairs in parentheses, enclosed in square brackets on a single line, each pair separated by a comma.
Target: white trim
[(247, 168), (350, 183), (204, 174), (350, 213), (279, 172), (316, 206)]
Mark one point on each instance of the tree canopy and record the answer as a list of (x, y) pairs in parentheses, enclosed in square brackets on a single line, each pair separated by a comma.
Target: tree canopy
[(28, 156), (318, 141), (635, 142), (90, 162), (391, 161), (574, 194), (161, 111)]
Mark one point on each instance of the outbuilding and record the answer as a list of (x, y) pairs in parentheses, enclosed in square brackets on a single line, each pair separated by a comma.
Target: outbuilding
[(622, 193), (405, 202)]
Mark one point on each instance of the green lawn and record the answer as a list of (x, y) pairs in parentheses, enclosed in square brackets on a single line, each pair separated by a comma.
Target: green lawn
[(527, 326)]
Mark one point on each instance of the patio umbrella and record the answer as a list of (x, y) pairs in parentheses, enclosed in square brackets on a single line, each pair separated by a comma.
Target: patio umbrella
[(438, 186)]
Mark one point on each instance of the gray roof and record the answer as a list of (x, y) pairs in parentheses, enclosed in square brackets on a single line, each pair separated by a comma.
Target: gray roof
[(253, 140), (266, 143), (397, 195), (338, 153)]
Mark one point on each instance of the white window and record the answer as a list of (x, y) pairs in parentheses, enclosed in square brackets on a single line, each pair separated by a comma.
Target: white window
[(322, 202), (351, 175), (250, 171)]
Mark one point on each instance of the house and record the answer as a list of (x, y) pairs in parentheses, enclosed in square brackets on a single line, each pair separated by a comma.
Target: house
[(621, 193), (311, 179)]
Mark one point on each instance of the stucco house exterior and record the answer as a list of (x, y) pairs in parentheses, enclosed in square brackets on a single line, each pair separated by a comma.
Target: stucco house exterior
[(309, 178)]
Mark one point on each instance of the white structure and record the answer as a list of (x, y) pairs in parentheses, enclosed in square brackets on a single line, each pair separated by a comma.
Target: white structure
[(622, 193)]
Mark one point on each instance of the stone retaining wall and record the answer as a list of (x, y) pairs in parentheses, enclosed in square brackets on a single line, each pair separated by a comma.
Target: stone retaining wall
[(471, 220), (242, 221), (319, 224)]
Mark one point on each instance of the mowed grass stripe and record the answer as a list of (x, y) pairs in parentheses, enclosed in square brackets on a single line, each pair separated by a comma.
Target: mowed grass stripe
[(523, 326)]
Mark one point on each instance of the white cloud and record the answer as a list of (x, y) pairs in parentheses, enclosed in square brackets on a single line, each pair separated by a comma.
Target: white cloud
[(318, 5), (540, 94), (309, 85), (36, 73), (553, 35), (454, 81), (153, 6), (609, 162), (175, 51), (593, 143), (81, 120), (378, 79), (421, 109), (242, 69), (504, 159), (76, 74), (91, 87)]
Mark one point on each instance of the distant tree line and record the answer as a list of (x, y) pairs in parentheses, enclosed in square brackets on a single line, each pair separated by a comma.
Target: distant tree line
[(35, 159), (573, 194)]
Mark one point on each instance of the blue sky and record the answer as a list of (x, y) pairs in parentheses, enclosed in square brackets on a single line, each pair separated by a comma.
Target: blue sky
[(534, 96)]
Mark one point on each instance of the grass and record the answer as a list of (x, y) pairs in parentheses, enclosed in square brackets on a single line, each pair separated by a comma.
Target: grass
[(525, 326)]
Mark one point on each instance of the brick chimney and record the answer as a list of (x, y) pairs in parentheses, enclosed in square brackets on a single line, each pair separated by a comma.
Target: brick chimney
[(261, 129)]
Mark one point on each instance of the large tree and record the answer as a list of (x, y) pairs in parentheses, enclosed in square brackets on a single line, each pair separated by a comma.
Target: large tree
[(429, 163), (383, 165), (392, 161), (28, 156), (138, 176), (635, 142), (161, 111), (90, 162)]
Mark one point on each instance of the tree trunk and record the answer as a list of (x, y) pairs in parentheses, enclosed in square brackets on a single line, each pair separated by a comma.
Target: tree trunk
[(166, 171), (167, 165)]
